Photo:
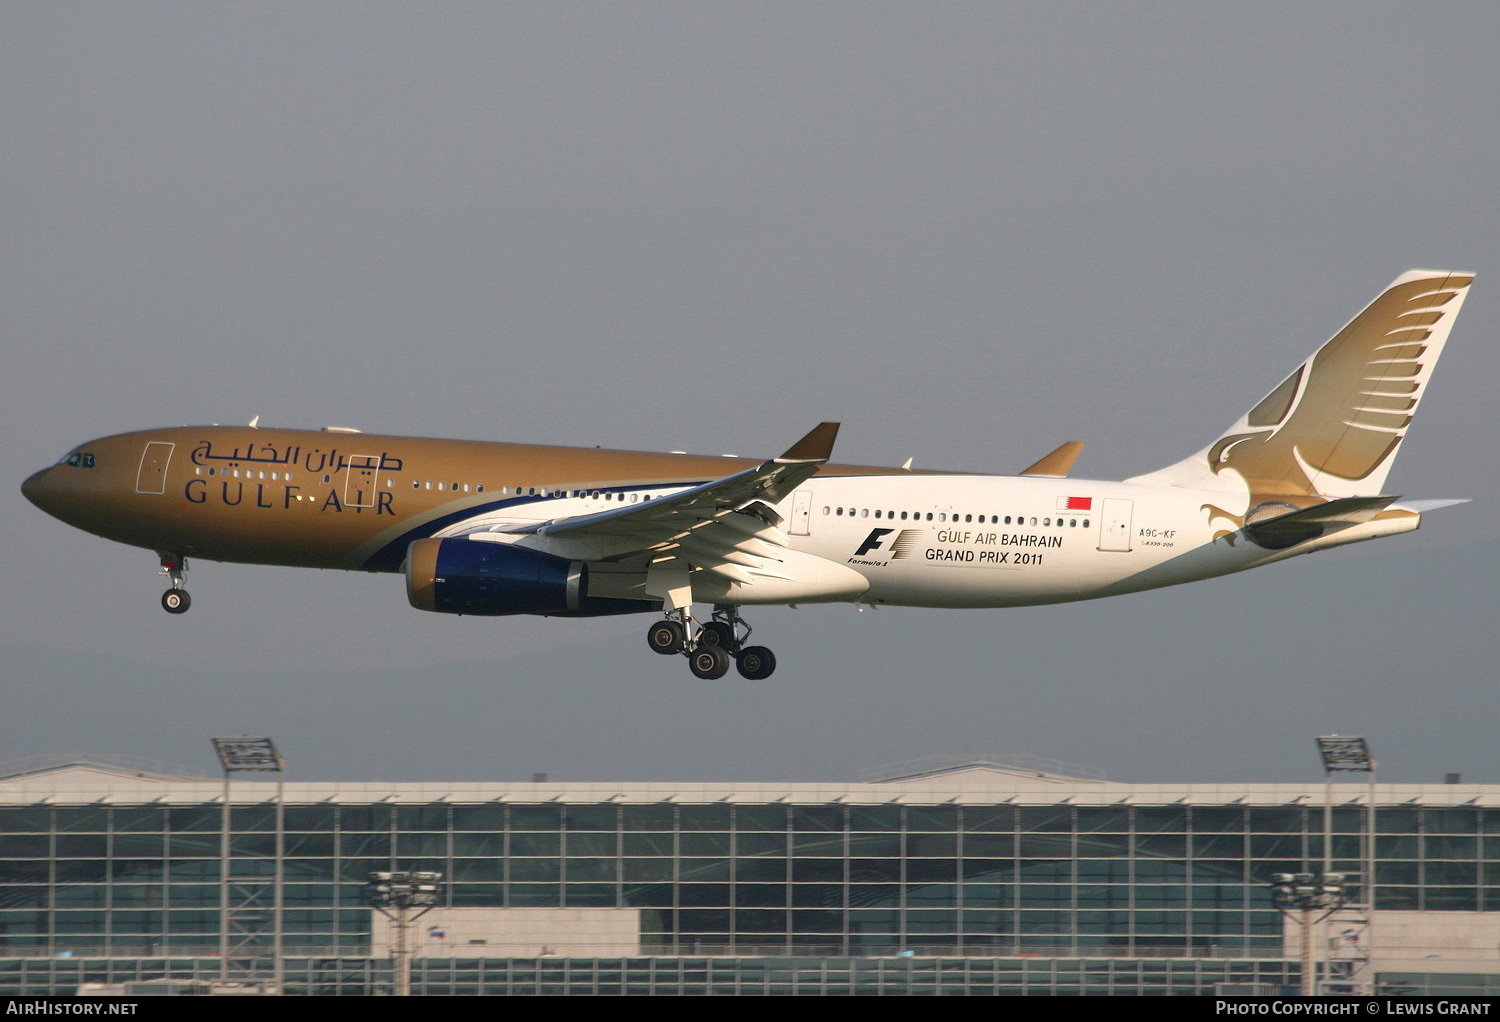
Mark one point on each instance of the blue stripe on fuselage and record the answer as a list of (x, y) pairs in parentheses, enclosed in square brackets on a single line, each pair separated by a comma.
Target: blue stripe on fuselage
[(393, 555)]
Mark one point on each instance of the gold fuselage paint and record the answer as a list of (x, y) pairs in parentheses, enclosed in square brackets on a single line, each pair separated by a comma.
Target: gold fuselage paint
[(333, 499)]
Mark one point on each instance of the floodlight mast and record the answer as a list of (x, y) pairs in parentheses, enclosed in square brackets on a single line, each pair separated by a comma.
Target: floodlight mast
[(395, 894), (1351, 754), (254, 755), (1306, 893)]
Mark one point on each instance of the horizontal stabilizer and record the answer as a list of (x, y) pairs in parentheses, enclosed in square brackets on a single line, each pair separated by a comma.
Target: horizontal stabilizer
[(1295, 527), (1421, 506)]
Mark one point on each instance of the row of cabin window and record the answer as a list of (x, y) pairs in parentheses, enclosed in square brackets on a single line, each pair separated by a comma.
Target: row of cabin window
[(942, 516), (419, 484), (529, 491), (236, 473)]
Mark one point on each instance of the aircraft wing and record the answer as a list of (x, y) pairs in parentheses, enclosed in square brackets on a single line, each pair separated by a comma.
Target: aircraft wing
[(658, 520), (724, 529)]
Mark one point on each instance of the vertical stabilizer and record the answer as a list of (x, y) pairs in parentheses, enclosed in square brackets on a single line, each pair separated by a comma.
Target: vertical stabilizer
[(1333, 427)]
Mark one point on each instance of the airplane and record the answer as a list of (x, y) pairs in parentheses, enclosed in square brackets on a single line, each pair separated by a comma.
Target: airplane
[(494, 529)]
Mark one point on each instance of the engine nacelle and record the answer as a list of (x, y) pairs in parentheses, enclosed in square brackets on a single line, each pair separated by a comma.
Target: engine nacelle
[(464, 576)]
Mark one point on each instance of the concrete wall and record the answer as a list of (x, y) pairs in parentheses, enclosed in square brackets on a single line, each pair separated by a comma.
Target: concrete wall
[(1404, 938), (516, 933)]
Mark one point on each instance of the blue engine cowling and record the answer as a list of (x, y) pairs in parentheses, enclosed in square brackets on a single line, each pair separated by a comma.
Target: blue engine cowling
[(465, 576)]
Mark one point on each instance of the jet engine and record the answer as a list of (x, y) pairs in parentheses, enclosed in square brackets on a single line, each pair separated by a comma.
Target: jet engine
[(465, 576)]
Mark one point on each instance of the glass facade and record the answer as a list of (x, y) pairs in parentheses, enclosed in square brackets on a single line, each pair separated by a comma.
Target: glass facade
[(955, 877), (776, 975)]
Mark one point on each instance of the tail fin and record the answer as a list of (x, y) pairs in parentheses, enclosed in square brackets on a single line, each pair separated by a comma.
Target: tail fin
[(1332, 428)]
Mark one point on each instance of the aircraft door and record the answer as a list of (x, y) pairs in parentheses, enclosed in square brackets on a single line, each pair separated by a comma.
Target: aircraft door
[(1114, 525), (151, 477), (801, 512), (359, 480)]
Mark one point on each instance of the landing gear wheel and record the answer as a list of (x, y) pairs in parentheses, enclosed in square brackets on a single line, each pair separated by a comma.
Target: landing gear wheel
[(709, 662), (718, 633), (667, 637), (756, 662), (176, 601)]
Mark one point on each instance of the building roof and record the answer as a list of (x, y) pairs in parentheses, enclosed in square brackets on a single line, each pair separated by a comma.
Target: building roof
[(82, 781)]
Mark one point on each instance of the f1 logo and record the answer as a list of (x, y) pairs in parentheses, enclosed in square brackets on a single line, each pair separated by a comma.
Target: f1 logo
[(872, 541)]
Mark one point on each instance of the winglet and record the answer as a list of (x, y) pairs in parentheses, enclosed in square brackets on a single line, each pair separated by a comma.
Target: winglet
[(815, 447), (1058, 464)]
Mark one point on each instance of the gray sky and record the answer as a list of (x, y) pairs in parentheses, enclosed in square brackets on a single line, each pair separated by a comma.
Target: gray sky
[(967, 231)]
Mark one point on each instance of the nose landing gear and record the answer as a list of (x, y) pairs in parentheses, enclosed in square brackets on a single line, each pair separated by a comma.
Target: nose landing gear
[(175, 600), (713, 644)]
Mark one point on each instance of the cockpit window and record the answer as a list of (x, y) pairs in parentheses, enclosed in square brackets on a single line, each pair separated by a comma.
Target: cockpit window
[(78, 459)]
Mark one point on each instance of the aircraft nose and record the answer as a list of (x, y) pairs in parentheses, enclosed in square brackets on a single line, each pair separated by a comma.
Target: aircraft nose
[(39, 488)]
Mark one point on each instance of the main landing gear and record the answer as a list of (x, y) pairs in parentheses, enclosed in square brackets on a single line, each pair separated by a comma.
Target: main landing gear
[(712, 644), (175, 600)]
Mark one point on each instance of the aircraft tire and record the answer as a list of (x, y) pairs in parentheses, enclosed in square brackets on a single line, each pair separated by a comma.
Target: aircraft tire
[(709, 662), (718, 633), (667, 638), (756, 662), (176, 601)]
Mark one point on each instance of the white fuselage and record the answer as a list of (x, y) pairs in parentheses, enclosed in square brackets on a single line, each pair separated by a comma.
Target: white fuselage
[(990, 541)]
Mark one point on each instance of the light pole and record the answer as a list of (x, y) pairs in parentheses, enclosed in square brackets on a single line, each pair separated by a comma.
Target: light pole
[(1351, 754), (1304, 894), (242, 919), (403, 897)]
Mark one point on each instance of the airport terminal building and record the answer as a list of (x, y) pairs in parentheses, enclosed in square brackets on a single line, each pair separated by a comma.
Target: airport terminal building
[(980, 876)]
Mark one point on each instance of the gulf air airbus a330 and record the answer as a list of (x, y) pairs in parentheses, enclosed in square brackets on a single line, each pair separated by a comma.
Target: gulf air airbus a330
[(495, 529)]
